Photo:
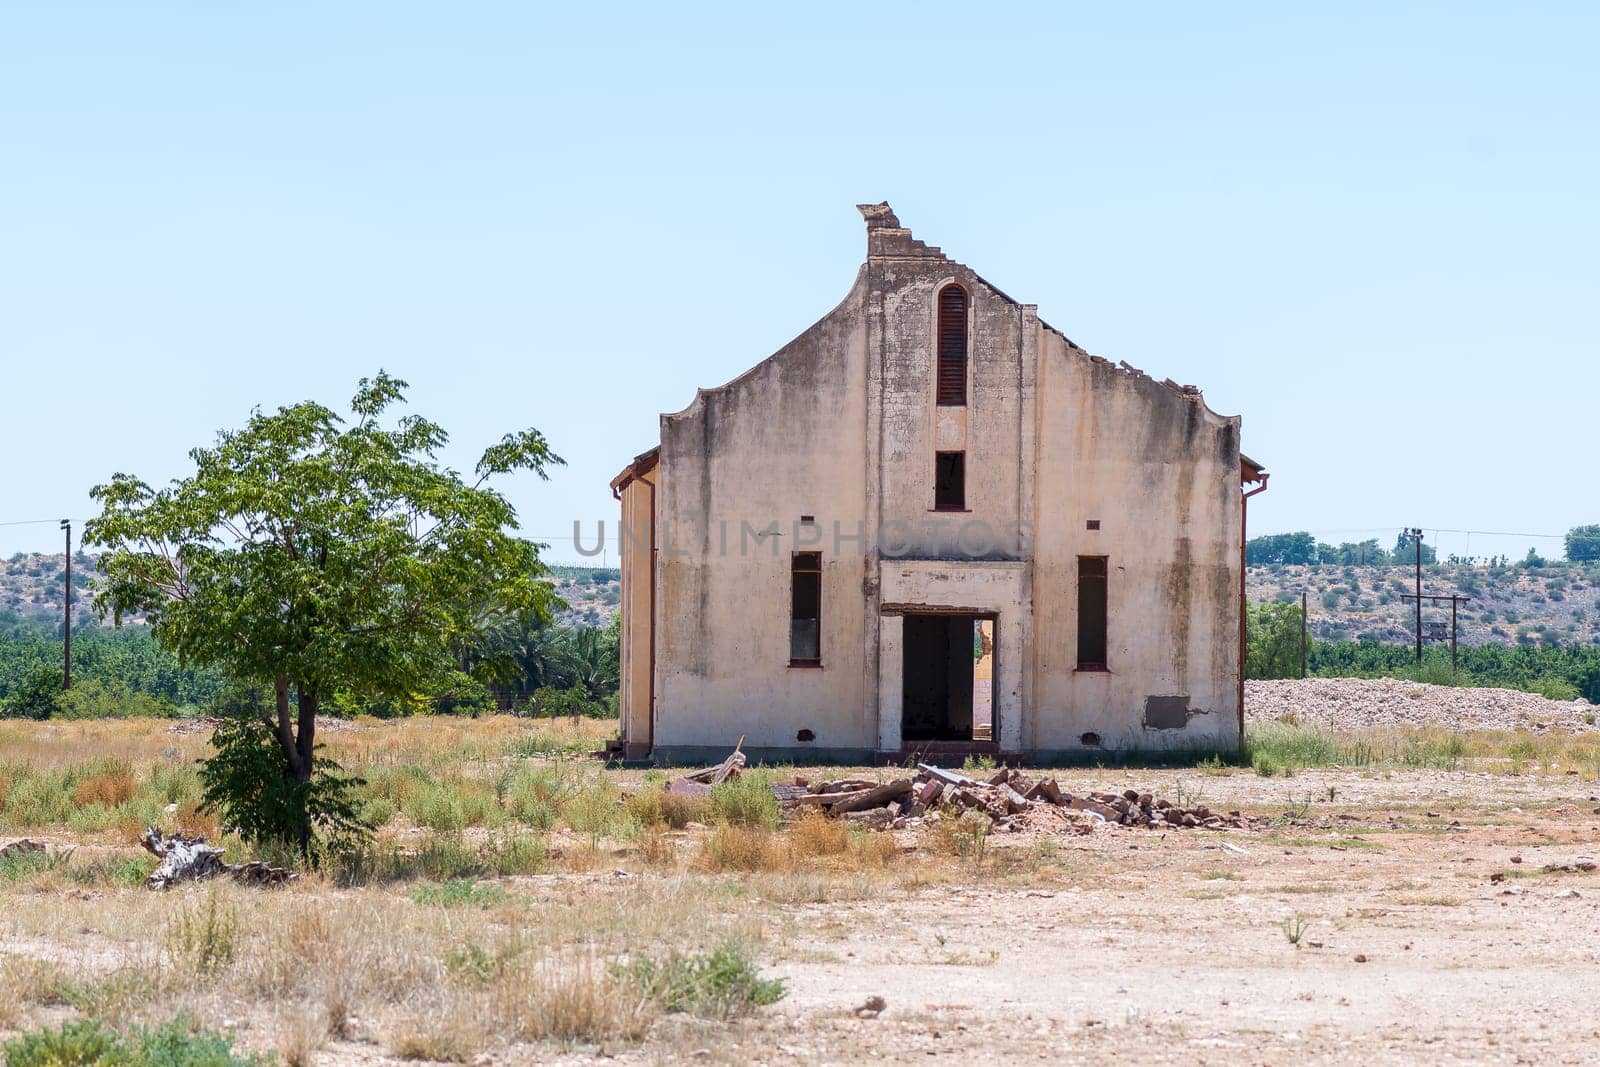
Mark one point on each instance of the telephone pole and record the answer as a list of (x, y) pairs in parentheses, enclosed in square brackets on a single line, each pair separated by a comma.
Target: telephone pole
[(1415, 533), (66, 653), (1302, 633)]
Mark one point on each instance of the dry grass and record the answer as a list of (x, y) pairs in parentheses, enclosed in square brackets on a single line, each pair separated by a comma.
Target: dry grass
[(110, 787)]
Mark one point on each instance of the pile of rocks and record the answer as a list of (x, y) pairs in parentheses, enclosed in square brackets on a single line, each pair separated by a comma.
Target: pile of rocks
[(1006, 797), (1357, 703)]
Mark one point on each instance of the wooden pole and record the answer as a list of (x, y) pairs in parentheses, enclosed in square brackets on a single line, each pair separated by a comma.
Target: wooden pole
[(1302, 633), (1416, 535), (66, 648), (1453, 601)]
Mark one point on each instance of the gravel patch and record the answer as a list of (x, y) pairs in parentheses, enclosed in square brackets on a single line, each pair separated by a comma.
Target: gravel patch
[(1355, 703)]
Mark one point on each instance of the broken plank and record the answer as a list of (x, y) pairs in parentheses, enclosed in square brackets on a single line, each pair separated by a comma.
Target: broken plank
[(947, 777), (873, 798)]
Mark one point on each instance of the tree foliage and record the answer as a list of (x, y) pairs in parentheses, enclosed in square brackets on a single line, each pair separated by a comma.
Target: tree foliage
[(120, 661), (317, 555), (1272, 634), (1583, 543), (1288, 548)]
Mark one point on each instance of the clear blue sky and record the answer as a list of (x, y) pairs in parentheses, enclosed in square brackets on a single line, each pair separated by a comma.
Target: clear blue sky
[(1370, 229)]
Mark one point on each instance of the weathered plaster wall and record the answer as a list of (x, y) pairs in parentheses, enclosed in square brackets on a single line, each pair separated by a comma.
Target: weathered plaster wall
[(781, 441), (1160, 471), (634, 668), (988, 428)]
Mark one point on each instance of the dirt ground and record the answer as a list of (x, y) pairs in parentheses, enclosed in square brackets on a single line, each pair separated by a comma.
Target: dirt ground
[(1176, 948), (1381, 916)]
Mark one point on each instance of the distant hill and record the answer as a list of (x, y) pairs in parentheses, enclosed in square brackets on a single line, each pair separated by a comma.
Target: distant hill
[(31, 586), (1518, 604), (592, 593)]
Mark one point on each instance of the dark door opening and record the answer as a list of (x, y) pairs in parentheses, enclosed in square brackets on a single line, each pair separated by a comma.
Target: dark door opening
[(948, 678)]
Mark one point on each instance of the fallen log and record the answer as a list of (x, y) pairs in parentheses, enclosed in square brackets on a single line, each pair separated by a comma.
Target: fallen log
[(185, 859), (873, 798)]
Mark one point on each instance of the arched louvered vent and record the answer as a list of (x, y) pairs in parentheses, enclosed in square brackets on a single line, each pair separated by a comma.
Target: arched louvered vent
[(953, 346)]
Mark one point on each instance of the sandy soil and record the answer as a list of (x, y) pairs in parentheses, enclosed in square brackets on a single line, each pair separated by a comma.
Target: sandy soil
[(1435, 923), (1172, 948)]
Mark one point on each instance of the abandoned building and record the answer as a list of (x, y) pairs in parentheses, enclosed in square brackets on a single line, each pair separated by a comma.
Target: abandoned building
[(933, 524)]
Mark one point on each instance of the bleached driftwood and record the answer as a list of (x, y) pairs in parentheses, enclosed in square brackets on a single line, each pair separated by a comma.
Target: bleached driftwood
[(190, 859)]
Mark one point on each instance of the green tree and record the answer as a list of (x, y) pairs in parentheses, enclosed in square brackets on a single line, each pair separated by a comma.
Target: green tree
[(1583, 543), (1405, 551), (312, 555), (1272, 641), (35, 697), (1280, 548)]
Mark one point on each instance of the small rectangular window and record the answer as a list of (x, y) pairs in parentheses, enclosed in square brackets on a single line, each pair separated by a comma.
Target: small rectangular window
[(950, 481), (1091, 613), (805, 609)]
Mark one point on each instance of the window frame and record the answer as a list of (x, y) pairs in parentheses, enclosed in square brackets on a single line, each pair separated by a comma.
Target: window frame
[(1102, 665), (807, 563), (938, 457)]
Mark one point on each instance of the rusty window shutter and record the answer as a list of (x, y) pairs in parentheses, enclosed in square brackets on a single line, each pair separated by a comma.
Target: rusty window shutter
[(953, 346)]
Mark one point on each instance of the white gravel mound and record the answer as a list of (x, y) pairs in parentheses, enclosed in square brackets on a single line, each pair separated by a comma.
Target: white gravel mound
[(1355, 703)]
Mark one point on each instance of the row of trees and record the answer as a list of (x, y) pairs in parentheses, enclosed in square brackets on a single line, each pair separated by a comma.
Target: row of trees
[(1582, 545), (1562, 672), (1301, 548), (123, 672)]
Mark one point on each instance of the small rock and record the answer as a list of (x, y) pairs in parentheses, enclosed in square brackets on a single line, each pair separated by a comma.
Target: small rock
[(871, 1008), (1361, 957)]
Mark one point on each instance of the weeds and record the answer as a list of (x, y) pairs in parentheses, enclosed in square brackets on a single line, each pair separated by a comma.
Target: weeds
[(203, 938), (1294, 928), (746, 801), (87, 1041), (460, 893), (723, 984)]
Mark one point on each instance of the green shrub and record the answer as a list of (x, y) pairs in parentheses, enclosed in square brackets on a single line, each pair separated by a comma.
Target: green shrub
[(377, 812), (747, 801), (86, 1042), (460, 893), (536, 795), (246, 788), (97, 699), (19, 865), (721, 985), (596, 808), (1553, 688)]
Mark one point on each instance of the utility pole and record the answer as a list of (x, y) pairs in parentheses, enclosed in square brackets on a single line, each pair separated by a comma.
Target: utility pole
[(1456, 599), (1302, 633), (1415, 533), (66, 654)]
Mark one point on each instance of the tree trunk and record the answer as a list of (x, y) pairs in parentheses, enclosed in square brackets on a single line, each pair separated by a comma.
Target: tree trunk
[(305, 745), (297, 740)]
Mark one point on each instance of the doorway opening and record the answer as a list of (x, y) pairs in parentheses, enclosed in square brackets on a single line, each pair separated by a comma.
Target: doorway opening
[(948, 678)]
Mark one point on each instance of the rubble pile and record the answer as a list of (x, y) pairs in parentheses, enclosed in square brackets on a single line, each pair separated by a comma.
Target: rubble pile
[(1007, 797), (1362, 703)]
